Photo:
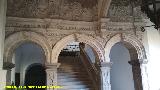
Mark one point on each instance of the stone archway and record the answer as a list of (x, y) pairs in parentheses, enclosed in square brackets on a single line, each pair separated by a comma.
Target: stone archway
[(35, 75), (77, 38), (136, 48), (133, 41), (16, 39)]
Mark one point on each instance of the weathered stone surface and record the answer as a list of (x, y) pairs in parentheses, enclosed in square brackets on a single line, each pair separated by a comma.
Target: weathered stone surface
[(75, 10)]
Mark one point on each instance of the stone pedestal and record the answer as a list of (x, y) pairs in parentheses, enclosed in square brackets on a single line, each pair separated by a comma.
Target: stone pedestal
[(105, 76), (51, 75)]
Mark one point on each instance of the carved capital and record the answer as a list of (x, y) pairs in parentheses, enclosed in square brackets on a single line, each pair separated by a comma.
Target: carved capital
[(105, 64), (8, 65), (52, 66)]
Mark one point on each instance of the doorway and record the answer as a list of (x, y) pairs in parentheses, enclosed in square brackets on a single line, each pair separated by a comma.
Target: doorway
[(35, 76)]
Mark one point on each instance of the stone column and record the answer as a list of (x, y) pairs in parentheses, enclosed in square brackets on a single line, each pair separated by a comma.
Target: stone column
[(105, 75), (51, 75), (3, 5), (136, 74)]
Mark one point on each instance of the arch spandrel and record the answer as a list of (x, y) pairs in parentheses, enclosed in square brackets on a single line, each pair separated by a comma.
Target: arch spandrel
[(124, 38), (18, 38), (77, 38)]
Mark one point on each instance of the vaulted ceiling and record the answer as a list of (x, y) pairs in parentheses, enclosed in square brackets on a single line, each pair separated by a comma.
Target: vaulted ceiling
[(85, 10), (75, 10)]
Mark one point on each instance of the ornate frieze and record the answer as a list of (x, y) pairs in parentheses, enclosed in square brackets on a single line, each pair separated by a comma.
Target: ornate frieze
[(53, 29), (49, 24), (81, 10)]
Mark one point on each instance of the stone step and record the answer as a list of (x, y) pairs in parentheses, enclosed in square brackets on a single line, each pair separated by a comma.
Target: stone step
[(75, 87), (74, 83), (73, 76)]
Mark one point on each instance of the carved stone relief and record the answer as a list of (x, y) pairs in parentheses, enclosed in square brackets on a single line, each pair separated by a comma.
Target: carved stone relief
[(78, 38), (14, 40), (121, 11), (85, 10), (105, 75), (125, 38)]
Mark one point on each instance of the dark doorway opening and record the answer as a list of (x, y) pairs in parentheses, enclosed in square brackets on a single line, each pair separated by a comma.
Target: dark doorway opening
[(35, 76)]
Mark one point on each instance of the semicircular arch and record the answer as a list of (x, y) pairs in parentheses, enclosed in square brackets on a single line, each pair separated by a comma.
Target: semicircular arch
[(77, 38), (18, 38), (133, 41)]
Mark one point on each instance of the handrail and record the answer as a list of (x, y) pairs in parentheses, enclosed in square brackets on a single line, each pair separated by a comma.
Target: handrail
[(90, 67)]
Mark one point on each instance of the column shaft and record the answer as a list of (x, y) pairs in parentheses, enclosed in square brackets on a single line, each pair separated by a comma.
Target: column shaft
[(51, 73), (136, 74), (105, 76)]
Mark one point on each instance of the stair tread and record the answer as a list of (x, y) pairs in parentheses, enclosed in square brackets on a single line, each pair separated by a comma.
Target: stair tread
[(73, 76)]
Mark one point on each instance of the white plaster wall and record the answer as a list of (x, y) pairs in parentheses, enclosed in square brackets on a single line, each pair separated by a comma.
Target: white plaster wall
[(3, 5), (2, 28), (151, 41), (28, 54), (121, 70)]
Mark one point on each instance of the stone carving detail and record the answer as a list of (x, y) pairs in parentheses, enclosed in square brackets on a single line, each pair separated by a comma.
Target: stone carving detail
[(105, 76), (78, 38), (121, 11), (85, 10), (110, 28), (123, 37), (50, 78), (137, 44), (51, 72), (18, 38), (45, 24)]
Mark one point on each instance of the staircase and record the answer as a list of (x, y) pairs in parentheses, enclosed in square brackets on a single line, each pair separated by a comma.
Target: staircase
[(72, 74)]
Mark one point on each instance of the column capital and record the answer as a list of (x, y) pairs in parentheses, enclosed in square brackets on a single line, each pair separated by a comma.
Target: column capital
[(8, 65), (52, 65), (105, 64)]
